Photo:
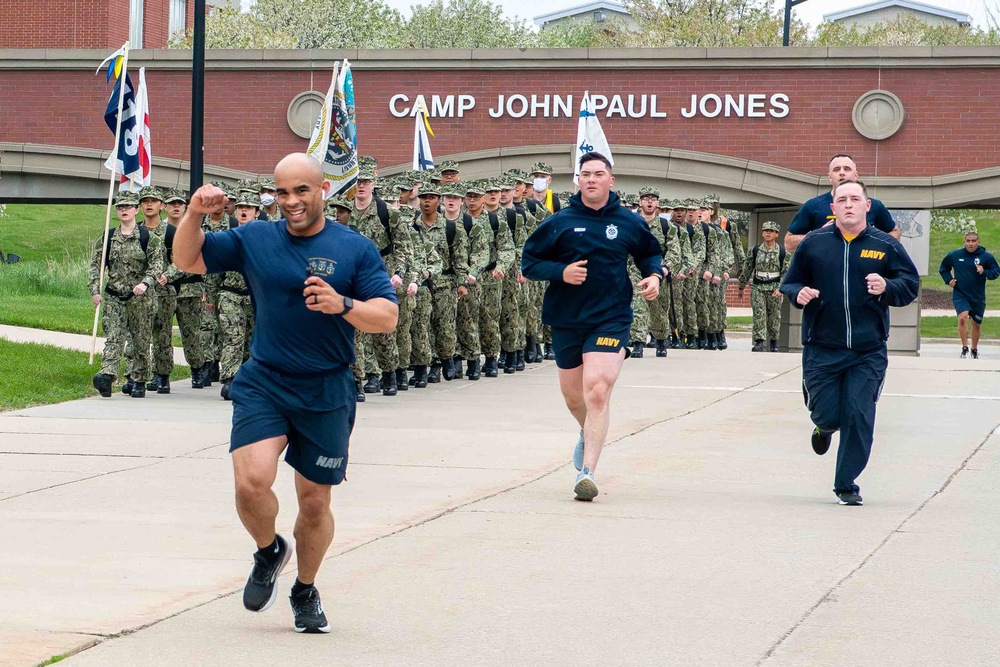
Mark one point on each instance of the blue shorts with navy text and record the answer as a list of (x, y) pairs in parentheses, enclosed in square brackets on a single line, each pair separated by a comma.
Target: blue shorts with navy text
[(976, 310), (315, 412), (570, 345)]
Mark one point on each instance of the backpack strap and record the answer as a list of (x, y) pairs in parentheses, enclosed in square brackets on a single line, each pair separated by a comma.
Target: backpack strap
[(449, 234), (382, 209), (494, 223), (168, 241), (511, 220), (467, 222)]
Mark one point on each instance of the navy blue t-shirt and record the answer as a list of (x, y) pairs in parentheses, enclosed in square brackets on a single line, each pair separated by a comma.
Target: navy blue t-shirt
[(288, 336), (816, 212)]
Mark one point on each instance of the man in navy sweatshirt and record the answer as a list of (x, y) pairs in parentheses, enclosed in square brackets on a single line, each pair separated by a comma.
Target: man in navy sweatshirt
[(972, 267), (845, 276), (582, 251)]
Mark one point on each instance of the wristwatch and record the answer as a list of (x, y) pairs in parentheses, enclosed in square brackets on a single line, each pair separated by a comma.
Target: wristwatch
[(348, 305)]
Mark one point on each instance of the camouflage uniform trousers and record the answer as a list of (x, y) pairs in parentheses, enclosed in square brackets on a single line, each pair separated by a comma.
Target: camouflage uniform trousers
[(511, 327), (677, 320), (690, 289), (716, 302), (386, 354), (659, 313), (420, 324), (533, 320), (490, 296), (211, 336), (235, 321), (525, 306), (444, 306), (163, 329), (702, 299), (189, 312), (723, 309), (766, 312), (640, 319), (407, 303), (128, 328), (467, 324)]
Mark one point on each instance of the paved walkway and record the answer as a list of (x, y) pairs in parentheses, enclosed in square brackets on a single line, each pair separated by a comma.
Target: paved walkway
[(715, 540), (69, 341)]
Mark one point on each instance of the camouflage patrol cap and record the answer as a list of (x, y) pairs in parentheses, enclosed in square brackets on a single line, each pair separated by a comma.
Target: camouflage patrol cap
[(268, 184), (649, 191), (126, 199), (632, 199), (517, 176), (713, 198), (541, 168), (174, 195), (492, 185), (704, 203), (456, 189), (150, 192), (429, 188), (248, 184), (475, 188), (366, 172), (770, 226), (340, 201), (367, 161), (447, 165), (248, 198), (505, 182)]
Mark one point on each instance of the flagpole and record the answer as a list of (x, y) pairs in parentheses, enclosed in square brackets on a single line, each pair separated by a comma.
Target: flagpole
[(111, 193)]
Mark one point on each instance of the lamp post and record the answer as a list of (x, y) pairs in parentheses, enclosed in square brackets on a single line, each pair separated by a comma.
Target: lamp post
[(198, 97), (788, 19)]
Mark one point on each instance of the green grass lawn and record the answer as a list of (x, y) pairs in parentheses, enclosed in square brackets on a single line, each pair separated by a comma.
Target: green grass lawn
[(51, 231)]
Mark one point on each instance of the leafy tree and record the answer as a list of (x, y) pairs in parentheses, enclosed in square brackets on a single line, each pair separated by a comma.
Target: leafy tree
[(711, 23), (905, 31), (466, 24)]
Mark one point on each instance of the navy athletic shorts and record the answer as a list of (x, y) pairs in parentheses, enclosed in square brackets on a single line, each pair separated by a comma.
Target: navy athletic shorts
[(962, 304), (316, 412), (570, 344)]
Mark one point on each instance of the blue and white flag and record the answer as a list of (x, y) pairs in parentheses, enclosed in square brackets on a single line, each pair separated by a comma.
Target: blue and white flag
[(334, 140), (125, 159), (422, 158), (589, 137)]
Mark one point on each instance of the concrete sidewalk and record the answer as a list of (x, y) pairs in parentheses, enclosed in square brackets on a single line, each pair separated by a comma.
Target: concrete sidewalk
[(715, 540), (70, 341)]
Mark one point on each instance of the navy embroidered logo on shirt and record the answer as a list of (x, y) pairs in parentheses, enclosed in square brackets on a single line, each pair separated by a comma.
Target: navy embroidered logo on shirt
[(321, 266), (612, 232)]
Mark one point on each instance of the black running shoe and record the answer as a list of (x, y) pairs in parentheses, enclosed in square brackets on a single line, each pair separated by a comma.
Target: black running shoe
[(821, 441), (260, 591), (965, 353), (975, 353), (308, 610), (851, 498)]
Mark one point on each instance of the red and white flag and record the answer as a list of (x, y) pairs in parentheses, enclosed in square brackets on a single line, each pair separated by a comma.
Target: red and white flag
[(142, 176)]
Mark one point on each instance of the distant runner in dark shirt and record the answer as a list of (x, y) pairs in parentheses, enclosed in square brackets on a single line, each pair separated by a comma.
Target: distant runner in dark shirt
[(817, 212), (314, 282), (966, 271), (583, 251)]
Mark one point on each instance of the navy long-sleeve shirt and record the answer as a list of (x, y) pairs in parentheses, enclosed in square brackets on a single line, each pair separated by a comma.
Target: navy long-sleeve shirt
[(845, 315), (605, 238), (817, 212), (963, 264)]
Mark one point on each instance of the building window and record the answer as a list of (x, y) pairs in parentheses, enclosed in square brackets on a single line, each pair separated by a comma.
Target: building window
[(135, 24), (178, 17), (600, 16)]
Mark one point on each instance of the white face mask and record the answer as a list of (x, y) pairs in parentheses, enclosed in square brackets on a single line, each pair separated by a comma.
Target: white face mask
[(267, 199), (541, 184)]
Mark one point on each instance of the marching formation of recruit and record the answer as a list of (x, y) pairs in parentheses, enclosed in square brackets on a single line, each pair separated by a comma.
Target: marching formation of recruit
[(966, 271), (453, 251)]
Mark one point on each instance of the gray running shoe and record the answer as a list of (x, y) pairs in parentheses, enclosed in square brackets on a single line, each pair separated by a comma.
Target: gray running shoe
[(586, 486), (578, 453)]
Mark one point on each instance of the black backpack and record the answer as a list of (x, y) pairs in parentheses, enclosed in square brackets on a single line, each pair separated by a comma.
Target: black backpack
[(449, 233), (382, 209), (143, 240), (495, 221)]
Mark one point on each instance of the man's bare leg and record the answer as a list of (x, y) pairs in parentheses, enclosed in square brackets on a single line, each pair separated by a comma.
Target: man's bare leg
[(571, 384), (254, 467), (313, 527), (976, 330), (600, 372), (963, 327)]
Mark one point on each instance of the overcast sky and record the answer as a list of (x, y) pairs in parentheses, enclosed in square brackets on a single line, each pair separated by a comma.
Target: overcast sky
[(811, 12)]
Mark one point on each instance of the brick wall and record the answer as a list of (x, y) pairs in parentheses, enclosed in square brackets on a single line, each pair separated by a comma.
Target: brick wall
[(246, 125), (64, 24), (733, 299), (156, 24)]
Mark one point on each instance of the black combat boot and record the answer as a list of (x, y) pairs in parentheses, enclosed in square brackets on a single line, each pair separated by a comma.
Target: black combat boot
[(360, 391), (651, 343), (434, 376), (206, 374), (138, 390), (388, 383), (509, 361), (372, 385), (690, 342), (721, 336), (661, 347), (196, 381), (473, 372), (758, 345), (490, 367), (402, 383), (519, 360), (774, 345), (539, 355), (457, 364), (713, 342), (675, 341), (224, 392), (702, 339), (127, 386), (448, 370), (420, 377), (153, 384), (529, 350), (164, 386), (637, 349), (550, 354), (102, 383), (215, 371)]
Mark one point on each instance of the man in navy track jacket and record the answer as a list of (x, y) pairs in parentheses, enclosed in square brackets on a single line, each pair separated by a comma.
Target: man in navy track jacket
[(845, 276)]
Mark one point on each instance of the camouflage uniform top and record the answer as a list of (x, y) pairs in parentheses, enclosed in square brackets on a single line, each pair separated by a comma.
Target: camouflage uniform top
[(161, 231), (687, 255), (211, 281), (271, 218), (768, 262), (519, 236), (540, 212), (670, 243), (671, 252), (479, 248), (128, 265), (724, 250), (400, 260), (502, 252), (454, 260), (739, 254), (426, 260)]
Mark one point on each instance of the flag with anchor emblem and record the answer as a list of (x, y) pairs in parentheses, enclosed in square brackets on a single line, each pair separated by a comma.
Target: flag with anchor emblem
[(589, 137)]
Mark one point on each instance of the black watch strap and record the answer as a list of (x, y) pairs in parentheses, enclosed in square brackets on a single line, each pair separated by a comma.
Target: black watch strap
[(348, 305)]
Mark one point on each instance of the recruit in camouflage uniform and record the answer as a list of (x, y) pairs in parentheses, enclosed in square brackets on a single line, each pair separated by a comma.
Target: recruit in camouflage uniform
[(512, 322), (189, 307), (427, 266), (235, 312), (127, 316), (269, 200), (739, 255), (659, 308), (211, 334), (532, 292), (697, 239), (764, 273), (469, 310), (720, 277), (682, 277), (150, 206)]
